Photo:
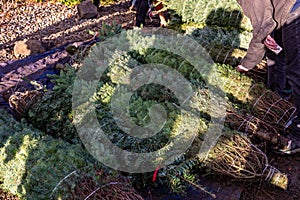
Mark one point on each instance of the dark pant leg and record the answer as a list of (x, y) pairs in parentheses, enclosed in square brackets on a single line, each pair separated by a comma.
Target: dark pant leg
[(97, 3), (142, 9), (291, 42), (276, 72), (276, 69)]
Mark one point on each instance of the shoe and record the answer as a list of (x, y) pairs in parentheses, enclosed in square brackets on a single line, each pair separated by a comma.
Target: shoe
[(291, 147), (287, 94), (296, 127), (293, 138)]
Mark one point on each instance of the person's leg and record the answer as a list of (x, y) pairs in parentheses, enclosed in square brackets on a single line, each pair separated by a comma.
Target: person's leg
[(142, 9), (97, 3), (276, 72), (276, 67), (291, 42)]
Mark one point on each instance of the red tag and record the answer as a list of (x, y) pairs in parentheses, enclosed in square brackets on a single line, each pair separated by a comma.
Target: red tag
[(155, 174)]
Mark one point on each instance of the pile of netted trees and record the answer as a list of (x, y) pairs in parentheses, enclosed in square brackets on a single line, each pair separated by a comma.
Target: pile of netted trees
[(221, 28), (250, 109)]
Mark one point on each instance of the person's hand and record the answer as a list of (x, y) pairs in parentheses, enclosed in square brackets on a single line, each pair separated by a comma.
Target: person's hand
[(272, 44), (241, 68), (163, 21), (163, 24)]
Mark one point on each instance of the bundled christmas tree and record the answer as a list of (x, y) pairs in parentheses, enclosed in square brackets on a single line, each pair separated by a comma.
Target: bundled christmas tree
[(235, 156), (31, 163)]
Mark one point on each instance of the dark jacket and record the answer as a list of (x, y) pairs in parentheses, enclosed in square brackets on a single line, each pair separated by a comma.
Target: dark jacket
[(265, 16)]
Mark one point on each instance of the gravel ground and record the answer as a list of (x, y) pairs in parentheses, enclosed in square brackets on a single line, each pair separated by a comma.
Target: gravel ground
[(54, 24)]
